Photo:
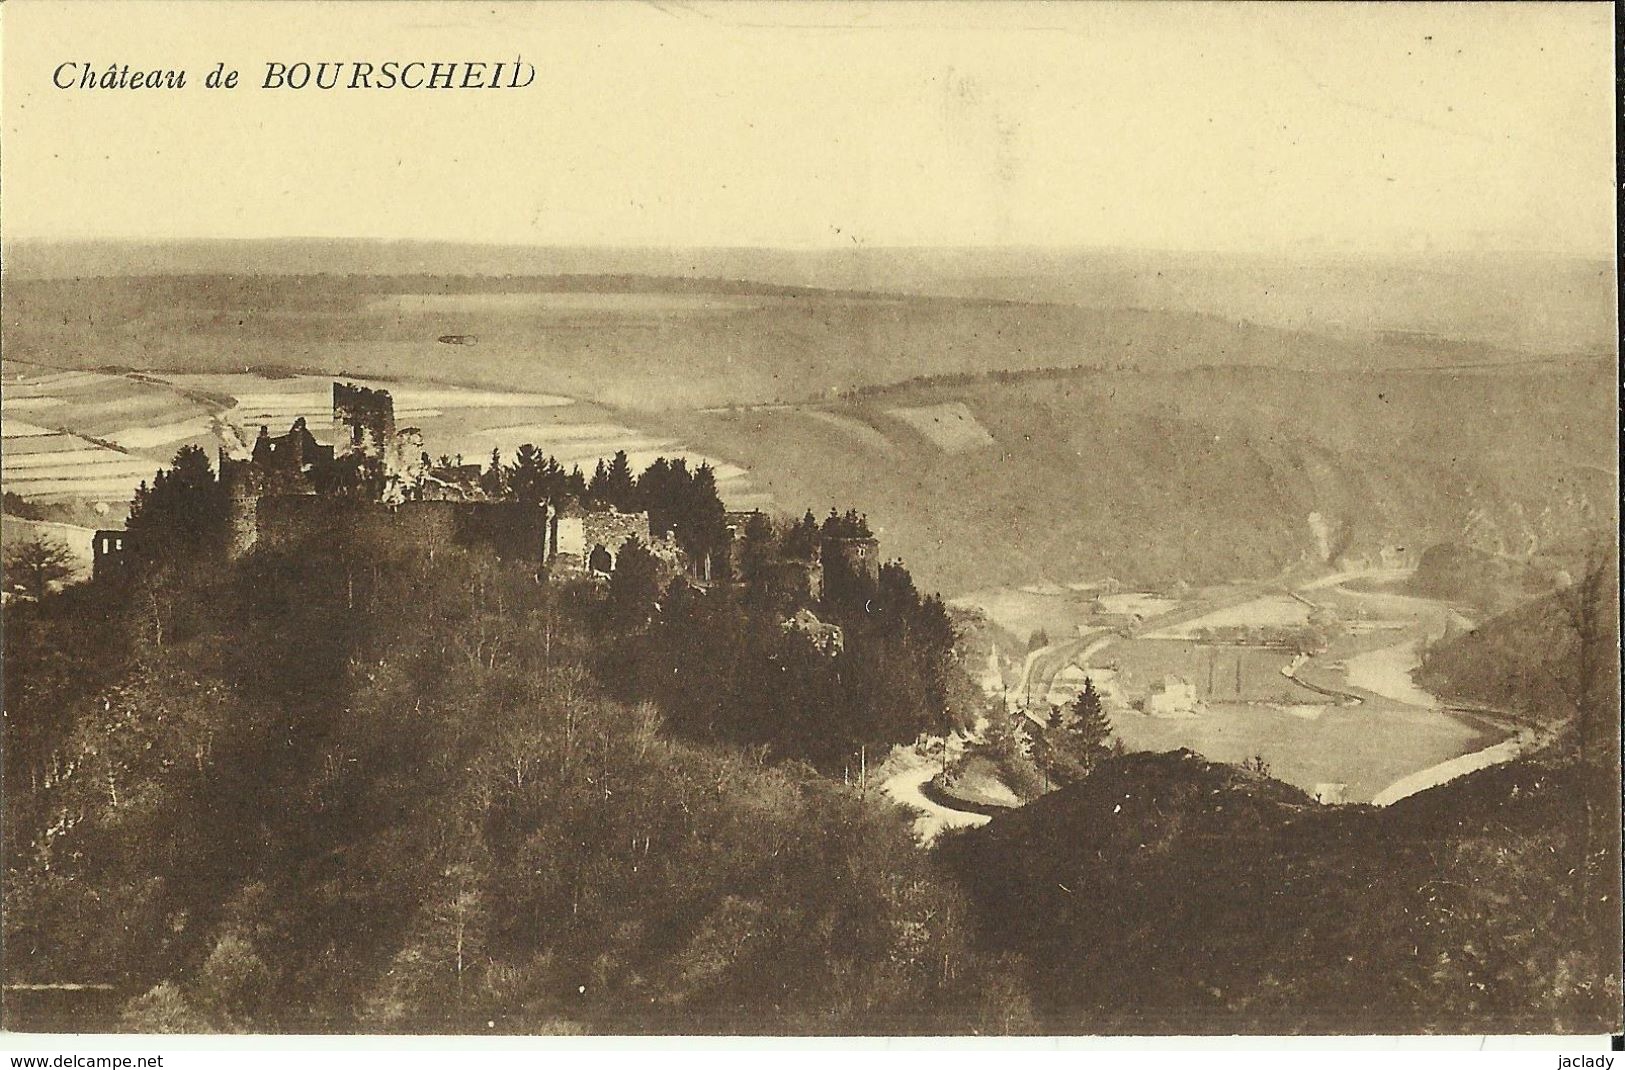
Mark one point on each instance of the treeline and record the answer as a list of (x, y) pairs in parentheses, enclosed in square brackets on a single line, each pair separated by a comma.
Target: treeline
[(682, 501), (739, 669), (21, 508), (1035, 756), (183, 515), (993, 375)]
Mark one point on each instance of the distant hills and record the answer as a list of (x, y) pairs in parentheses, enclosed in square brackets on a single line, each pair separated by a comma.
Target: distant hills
[(1202, 475), (1527, 302), (1006, 416), (654, 342)]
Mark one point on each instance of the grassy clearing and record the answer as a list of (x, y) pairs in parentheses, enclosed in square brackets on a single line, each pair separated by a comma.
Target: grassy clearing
[(950, 427), (153, 436), (1024, 612), (1368, 749)]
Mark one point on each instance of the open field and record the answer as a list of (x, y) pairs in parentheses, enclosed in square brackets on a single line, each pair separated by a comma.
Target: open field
[(1220, 673), (106, 432), (1137, 604), (1364, 748), (1023, 612), (90, 436), (1277, 610), (1369, 726), (950, 427)]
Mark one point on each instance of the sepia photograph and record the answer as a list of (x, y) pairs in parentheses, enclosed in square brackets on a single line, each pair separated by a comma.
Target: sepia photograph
[(809, 520)]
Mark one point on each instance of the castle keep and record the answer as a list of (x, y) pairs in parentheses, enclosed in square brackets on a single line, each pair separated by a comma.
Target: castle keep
[(363, 423)]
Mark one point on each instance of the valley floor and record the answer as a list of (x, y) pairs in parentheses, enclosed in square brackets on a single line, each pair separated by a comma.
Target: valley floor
[(1347, 724)]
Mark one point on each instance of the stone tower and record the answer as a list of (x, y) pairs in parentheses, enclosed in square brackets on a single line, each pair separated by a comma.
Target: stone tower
[(363, 423)]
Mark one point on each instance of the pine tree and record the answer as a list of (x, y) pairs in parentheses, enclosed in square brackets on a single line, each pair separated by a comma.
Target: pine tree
[(575, 484), (655, 490), (1091, 729), (185, 513), (706, 518), (598, 488), (36, 563), (755, 555), (620, 490), (801, 542), (525, 478), (634, 586), (494, 480)]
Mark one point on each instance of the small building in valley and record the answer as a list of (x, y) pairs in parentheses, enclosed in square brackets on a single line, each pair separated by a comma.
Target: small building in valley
[(1174, 697)]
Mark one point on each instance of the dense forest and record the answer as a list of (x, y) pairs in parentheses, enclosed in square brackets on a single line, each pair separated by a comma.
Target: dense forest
[(1197, 898), (342, 786)]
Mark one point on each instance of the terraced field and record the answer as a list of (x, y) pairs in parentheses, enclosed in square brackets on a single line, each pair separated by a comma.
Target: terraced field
[(91, 437)]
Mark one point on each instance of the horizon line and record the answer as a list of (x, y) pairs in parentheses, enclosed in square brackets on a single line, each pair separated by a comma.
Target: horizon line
[(1304, 251)]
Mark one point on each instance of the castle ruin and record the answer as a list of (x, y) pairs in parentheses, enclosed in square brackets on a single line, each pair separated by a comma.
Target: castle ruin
[(364, 423), (379, 479)]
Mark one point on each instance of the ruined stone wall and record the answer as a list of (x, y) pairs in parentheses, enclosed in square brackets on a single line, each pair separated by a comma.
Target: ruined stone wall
[(509, 529), (795, 583), (611, 529), (110, 554), (570, 537), (363, 422), (243, 518), (288, 521), (281, 521), (851, 568), (516, 532), (408, 454), (577, 533)]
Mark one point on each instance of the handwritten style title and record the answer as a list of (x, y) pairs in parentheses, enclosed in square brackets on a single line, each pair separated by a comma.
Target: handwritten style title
[(346, 74)]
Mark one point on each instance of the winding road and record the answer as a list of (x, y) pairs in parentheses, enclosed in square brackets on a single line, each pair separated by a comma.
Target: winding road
[(902, 776)]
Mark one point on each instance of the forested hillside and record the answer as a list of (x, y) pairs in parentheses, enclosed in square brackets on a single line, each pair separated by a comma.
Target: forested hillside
[(349, 785), (343, 786), (1557, 654), (1206, 475), (1165, 894)]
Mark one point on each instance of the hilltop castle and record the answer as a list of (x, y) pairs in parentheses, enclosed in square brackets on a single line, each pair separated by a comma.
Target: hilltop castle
[(375, 477)]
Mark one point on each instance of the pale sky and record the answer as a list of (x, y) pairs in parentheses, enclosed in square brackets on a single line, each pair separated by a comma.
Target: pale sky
[(1232, 128)]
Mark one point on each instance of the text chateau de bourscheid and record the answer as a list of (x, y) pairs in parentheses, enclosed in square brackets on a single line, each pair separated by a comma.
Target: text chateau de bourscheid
[(341, 74)]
